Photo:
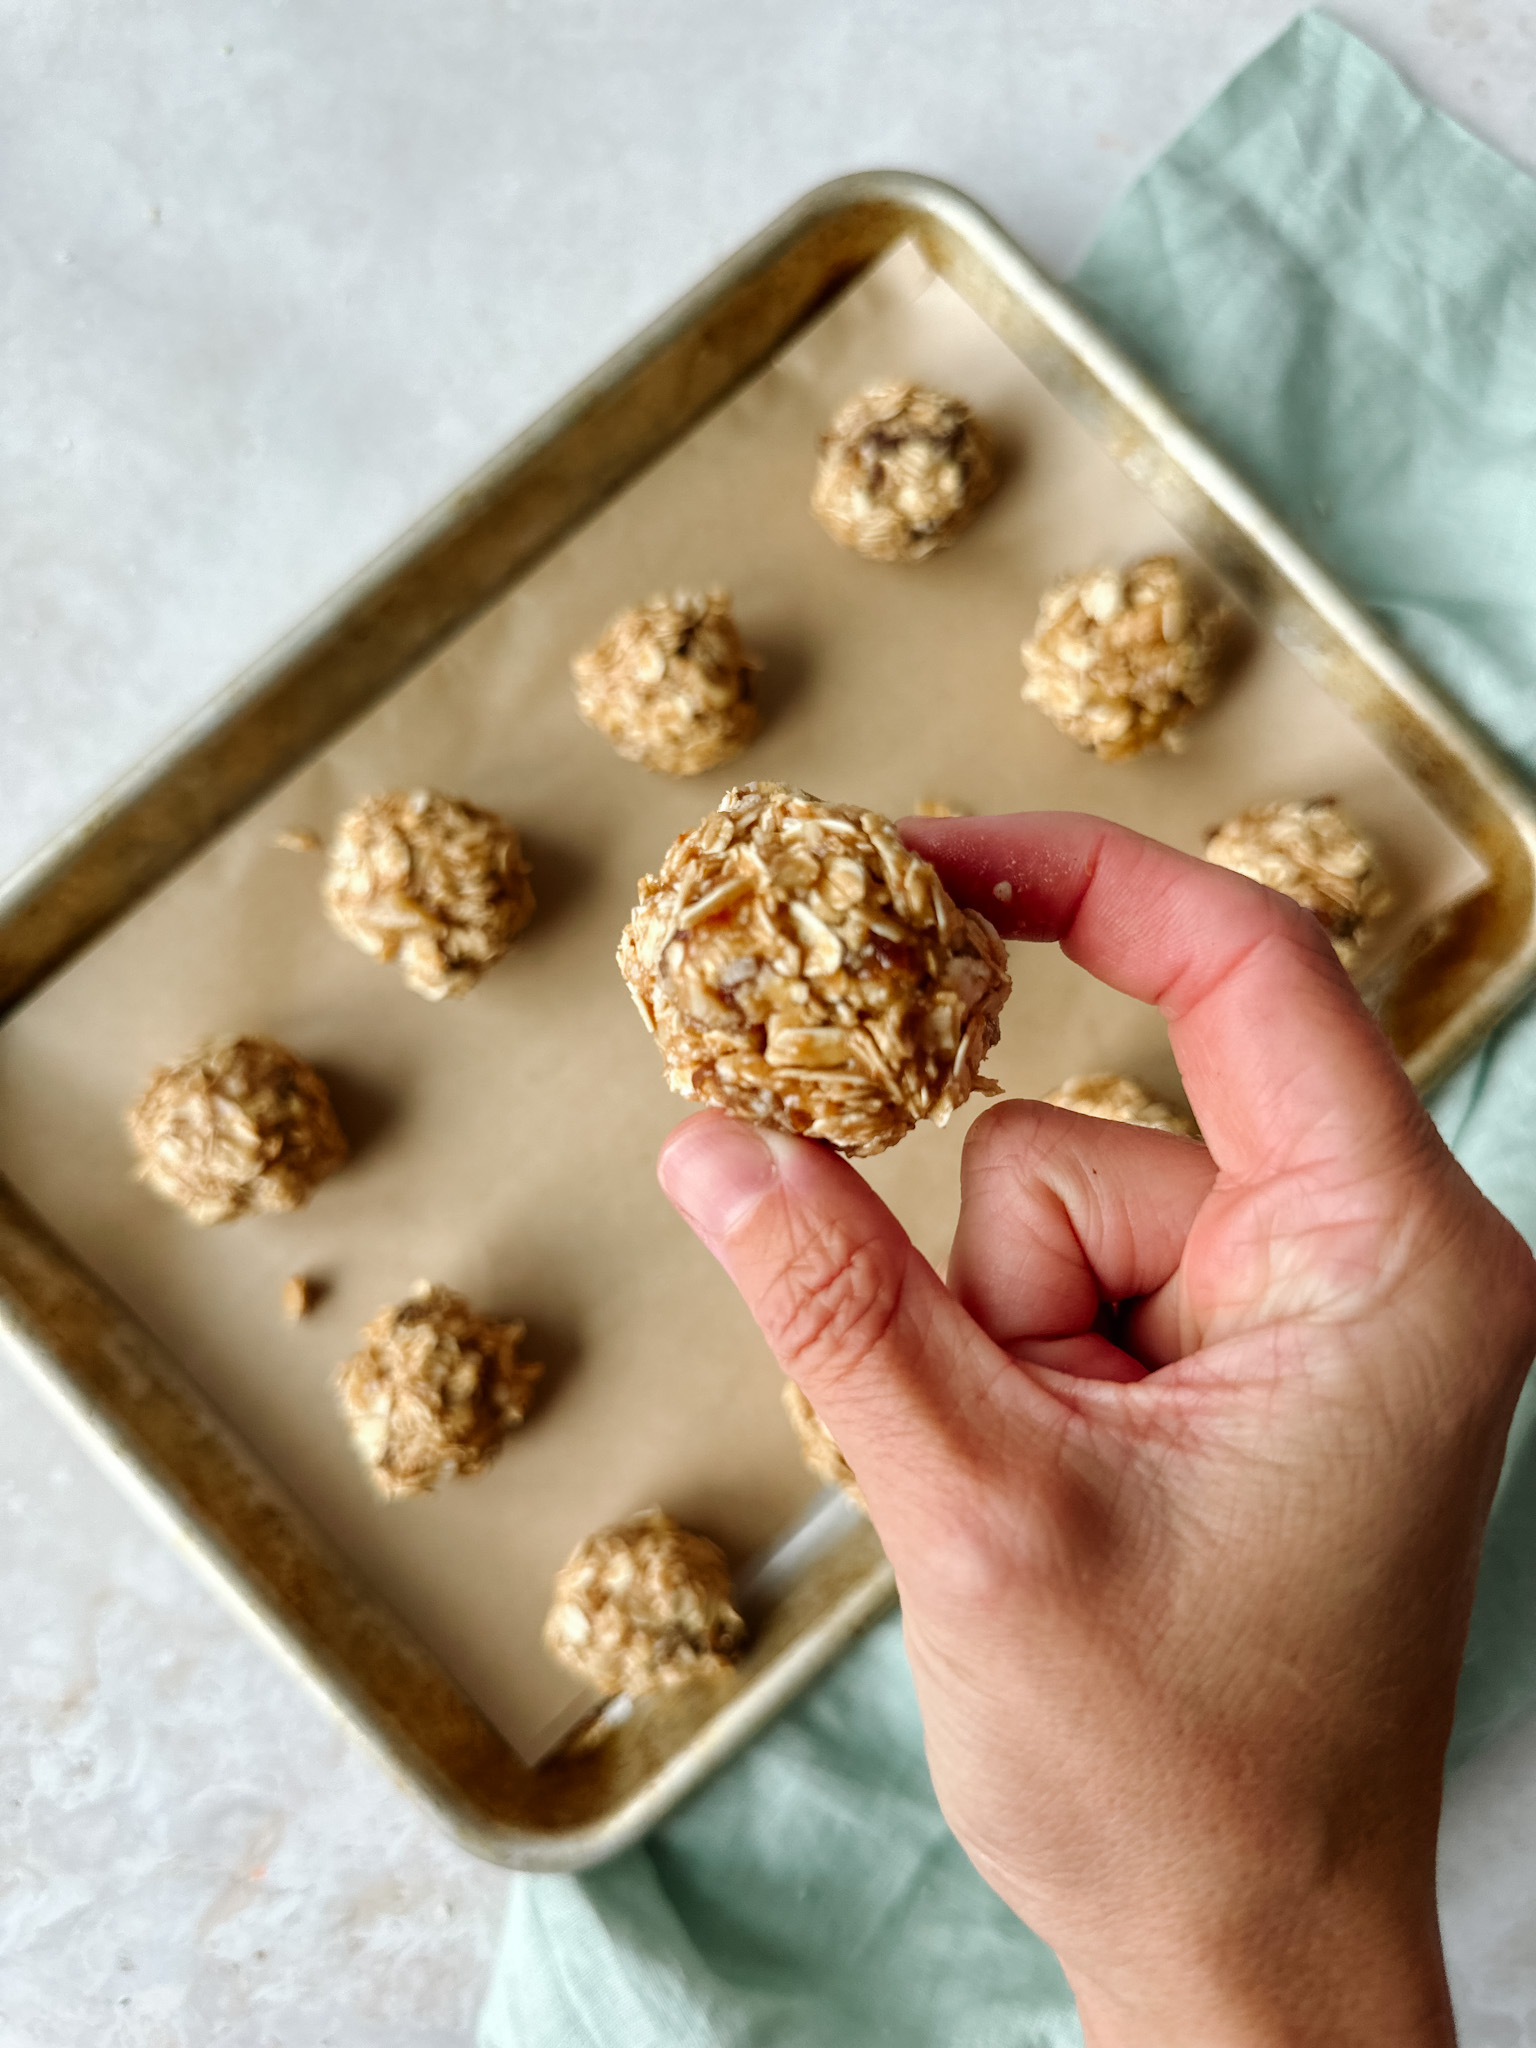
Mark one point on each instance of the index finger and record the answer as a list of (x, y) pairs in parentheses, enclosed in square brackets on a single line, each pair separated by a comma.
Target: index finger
[(1281, 1060)]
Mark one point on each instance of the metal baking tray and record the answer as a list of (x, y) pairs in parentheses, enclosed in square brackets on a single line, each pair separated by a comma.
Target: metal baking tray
[(144, 1416)]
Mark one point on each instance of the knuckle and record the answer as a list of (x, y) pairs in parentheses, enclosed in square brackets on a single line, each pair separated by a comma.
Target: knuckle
[(1486, 1277), (978, 1559), (1011, 1139), (1517, 1283), (965, 1569), (838, 1297)]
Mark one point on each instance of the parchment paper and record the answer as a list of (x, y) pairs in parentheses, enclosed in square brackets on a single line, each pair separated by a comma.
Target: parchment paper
[(505, 1144)]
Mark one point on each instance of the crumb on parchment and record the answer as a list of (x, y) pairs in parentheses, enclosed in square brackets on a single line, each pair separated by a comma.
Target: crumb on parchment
[(301, 1296)]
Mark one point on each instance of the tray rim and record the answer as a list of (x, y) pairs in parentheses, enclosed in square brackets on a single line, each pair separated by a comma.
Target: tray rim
[(106, 861)]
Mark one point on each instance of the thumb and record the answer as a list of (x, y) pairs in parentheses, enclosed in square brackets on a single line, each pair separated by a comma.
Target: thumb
[(901, 1375)]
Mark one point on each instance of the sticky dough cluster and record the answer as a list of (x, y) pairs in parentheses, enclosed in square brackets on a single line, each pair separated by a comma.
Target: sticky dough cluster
[(1120, 1100), (1311, 852), (1120, 661), (433, 1390), (242, 1128), (670, 684), (430, 881), (903, 472), (642, 1607)]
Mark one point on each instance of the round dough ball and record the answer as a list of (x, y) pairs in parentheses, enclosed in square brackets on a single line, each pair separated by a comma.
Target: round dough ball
[(1311, 852), (431, 881), (433, 1390), (1119, 662), (818, 1446), (242, 1128), (801, 968), (642, 1607), (670, 684), (903, 472), (1122, 1101)]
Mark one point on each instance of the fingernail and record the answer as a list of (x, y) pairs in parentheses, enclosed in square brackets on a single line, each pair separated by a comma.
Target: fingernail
[(716, 1171)]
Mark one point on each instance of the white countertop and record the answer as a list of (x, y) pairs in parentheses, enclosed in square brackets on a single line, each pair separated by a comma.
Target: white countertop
[(276, 277)]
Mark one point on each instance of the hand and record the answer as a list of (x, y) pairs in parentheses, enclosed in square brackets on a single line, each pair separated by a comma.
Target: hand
[(1184, 1474)]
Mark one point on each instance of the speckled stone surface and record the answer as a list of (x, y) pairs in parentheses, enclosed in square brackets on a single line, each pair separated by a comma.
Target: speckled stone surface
[(277, 276), (191, 1852)]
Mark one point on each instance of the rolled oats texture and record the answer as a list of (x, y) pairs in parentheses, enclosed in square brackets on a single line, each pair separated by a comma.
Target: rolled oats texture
[(670, 684), (1312, 852), (430, 881), (433, 1389), (242, 1128), (903, 472), (1120, 662), (1121, 1100), (642, 1607), (800, 968), (818, 1446)]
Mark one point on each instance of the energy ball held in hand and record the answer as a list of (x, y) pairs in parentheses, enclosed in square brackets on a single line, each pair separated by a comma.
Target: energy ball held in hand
[(1122, 662), (430, 881), (242, 1128), (670, 684), (433, 1390), (800, 968), (903, 472), (643, 1607), (1119, 1099), (1311, 852)]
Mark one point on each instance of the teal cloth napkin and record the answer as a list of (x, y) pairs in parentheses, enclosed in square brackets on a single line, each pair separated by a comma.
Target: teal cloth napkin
[(1338, 286)]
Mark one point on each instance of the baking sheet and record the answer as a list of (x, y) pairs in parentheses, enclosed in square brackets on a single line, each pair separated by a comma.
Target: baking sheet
[(505, 1145)]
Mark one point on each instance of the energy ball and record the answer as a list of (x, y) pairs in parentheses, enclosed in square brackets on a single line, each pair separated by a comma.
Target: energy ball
[(1311, 852), (670, 684), (1120, 662), (431, 881), (818, 1446), (242, 1128), (903, 472), (1122, 1101), (433, 1390), (642, 1607), (799, 967)]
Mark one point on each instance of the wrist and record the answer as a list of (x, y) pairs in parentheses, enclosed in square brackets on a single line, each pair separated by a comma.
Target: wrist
[(1358, 1980)]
